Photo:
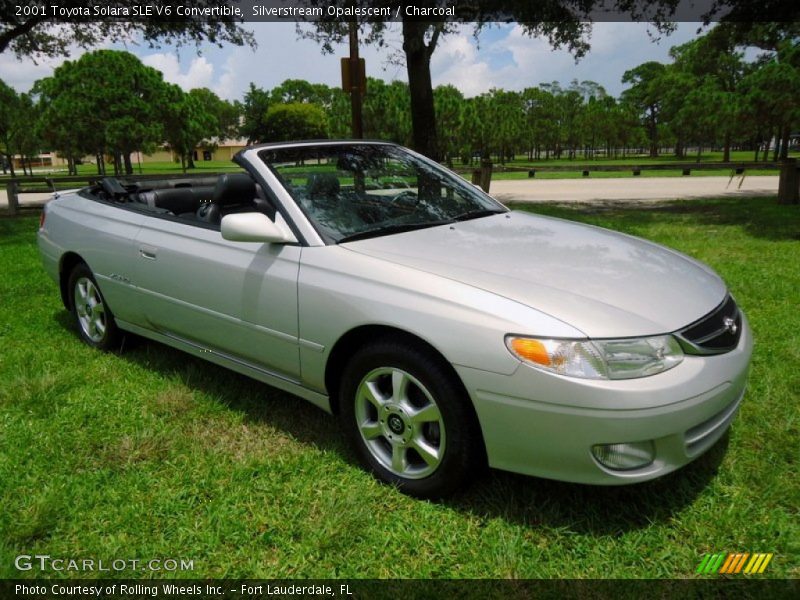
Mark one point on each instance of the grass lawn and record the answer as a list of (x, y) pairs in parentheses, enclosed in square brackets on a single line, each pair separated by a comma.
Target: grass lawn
[(153, 454), (642, 159)]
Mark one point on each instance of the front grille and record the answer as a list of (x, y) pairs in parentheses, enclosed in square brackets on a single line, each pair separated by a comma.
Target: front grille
[(717, 332)]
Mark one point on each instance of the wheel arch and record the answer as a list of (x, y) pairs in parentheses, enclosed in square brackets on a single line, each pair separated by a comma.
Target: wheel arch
[(67, 263), (359, 336)]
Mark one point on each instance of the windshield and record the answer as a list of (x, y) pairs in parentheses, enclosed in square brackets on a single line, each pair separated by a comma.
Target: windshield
[(354, 191)]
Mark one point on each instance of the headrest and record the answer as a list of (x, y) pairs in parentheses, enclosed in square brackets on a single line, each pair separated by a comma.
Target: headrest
[(234, 188), (176, 200), (322, 185)]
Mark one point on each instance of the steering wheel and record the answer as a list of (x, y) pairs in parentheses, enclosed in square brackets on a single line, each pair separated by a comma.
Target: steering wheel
[(406, 198)]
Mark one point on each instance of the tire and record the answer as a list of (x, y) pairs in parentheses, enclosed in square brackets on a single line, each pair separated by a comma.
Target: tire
[(410, 420), (96, 324)]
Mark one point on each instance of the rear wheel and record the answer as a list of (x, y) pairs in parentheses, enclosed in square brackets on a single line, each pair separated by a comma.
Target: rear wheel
[(96, 324), (409, 419)]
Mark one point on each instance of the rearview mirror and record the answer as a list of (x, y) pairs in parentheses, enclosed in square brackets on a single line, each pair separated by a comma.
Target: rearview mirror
[(256, 227)]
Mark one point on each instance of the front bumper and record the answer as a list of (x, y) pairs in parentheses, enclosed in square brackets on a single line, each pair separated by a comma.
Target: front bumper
[(545, 425)]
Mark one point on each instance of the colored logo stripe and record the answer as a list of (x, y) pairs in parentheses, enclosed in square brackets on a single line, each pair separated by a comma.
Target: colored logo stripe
[(733, 563), (758, 563)]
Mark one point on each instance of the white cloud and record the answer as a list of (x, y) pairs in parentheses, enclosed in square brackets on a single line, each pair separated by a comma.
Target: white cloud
[(280, 56), (21, 74), (456, 61), (615, 48), (200, 72)]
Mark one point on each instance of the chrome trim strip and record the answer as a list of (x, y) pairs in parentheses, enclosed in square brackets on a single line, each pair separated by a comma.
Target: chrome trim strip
[(312, 345), (230, 358)]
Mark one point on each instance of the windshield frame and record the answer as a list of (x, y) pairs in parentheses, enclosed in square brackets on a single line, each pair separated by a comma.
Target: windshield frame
[(268, 154)]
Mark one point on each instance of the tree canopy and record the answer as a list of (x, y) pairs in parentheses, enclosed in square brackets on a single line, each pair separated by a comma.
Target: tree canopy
[(41, 33), (295, 121)]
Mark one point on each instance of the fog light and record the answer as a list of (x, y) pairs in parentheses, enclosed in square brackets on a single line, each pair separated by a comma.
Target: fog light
[(624, 457)]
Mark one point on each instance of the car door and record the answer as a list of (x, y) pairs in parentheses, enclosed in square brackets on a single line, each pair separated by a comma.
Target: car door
[(238, 299)]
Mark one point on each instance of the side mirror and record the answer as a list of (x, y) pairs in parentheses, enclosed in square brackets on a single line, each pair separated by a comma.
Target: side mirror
[(255, 227)]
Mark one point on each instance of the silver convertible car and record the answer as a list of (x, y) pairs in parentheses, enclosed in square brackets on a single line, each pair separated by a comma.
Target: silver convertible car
[(444, 330)]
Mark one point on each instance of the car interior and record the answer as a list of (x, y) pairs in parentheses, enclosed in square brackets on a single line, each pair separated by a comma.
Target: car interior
[(200, 201)]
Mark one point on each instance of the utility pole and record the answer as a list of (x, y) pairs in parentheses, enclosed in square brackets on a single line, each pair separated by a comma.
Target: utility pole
[(355, 83)]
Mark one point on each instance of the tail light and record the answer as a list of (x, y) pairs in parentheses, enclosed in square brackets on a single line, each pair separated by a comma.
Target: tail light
[(42, 217)]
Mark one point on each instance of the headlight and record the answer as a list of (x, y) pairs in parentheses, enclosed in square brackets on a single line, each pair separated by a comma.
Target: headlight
[(599, 359)]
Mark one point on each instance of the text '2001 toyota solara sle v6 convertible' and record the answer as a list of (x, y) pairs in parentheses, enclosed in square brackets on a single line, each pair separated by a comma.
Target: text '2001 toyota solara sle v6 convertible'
[(446, 331)]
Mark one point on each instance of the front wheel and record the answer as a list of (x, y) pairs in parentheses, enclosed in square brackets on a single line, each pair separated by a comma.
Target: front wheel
[(410, 419), (96, 324)]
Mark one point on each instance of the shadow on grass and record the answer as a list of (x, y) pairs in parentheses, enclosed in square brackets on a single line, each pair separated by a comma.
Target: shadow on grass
[(522, 500), (760, 217), (587, 509)]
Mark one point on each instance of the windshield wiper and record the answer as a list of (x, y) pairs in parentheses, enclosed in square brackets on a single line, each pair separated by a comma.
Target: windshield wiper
[(477, 214), (389, 229)]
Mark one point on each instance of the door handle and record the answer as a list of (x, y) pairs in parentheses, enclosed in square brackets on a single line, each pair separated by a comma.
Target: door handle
[(147, 252)]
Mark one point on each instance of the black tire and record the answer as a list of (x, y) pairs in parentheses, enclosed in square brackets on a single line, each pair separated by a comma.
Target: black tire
[(93, 317), (451, 439)]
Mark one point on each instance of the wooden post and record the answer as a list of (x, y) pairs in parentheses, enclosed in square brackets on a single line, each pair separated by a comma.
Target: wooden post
[(788, 181), (13, 199)]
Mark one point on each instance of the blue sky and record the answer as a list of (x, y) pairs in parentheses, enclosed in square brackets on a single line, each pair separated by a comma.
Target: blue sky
[(501, 57)]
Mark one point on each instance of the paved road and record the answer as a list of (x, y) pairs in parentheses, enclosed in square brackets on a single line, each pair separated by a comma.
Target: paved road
[(639, 189), (644, 189)]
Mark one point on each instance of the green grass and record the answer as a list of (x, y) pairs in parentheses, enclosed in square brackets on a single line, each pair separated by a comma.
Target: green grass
[(642, 159), (150, 453)]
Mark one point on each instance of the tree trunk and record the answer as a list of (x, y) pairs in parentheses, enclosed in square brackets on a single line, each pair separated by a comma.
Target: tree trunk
[(785, 143), (190, 160), (128, 166), (418, 64), (653, 126), (726, 151)]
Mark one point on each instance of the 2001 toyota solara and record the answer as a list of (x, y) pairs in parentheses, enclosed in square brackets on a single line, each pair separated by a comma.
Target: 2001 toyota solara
[(445, 330)]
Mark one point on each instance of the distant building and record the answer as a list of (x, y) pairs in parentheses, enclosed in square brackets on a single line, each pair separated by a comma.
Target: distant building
[(222, 151)]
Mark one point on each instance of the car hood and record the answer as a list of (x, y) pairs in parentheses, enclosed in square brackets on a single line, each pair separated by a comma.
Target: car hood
[(604, 283)]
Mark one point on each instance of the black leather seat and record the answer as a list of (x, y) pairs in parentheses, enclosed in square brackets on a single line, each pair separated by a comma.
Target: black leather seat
[(234, 192), (181, 201)]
